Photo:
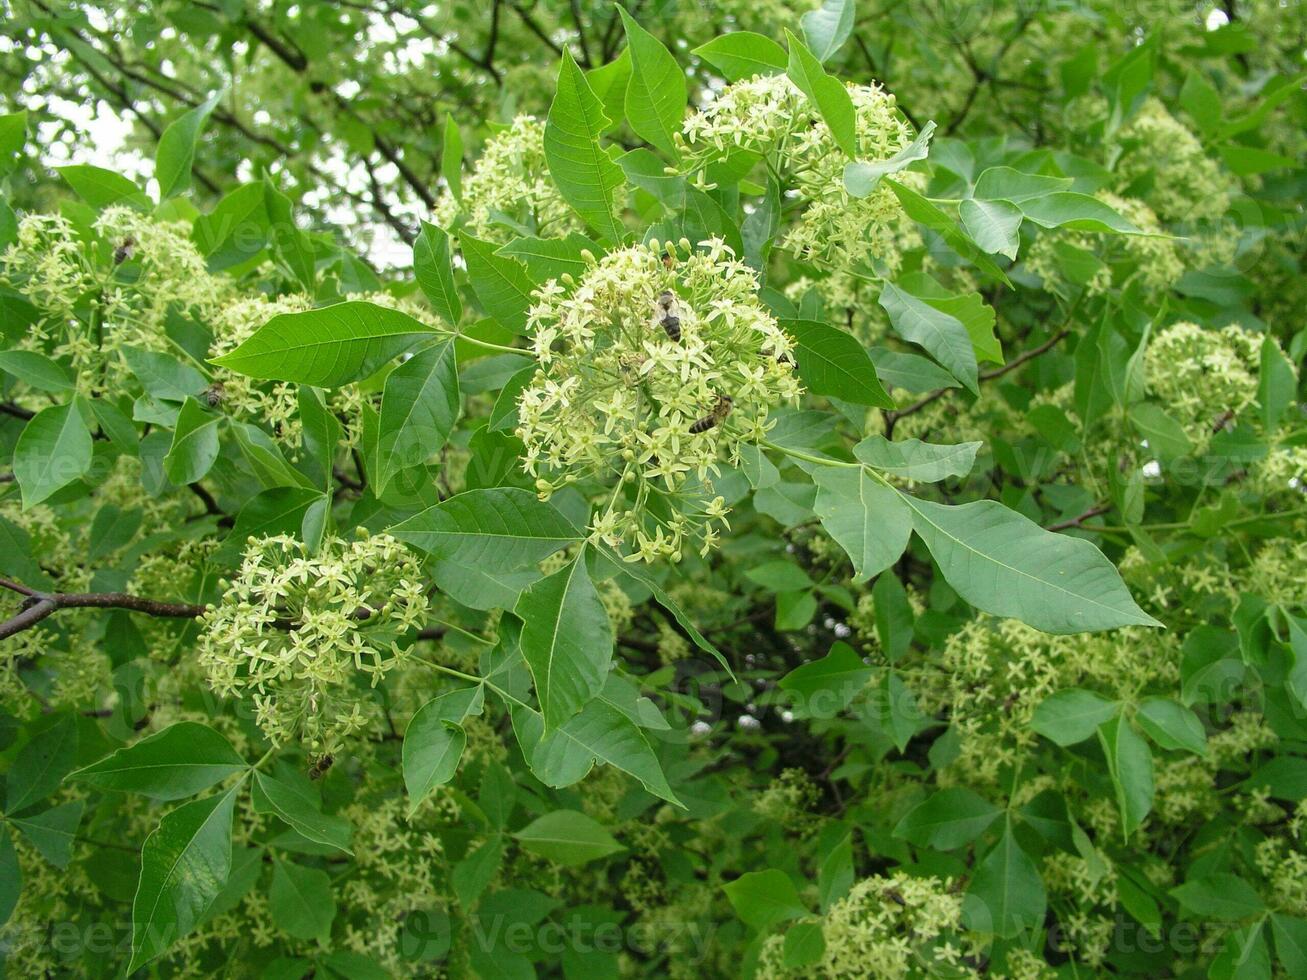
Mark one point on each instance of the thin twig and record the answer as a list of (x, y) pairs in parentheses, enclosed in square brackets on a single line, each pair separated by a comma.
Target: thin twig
[(1078, 521)]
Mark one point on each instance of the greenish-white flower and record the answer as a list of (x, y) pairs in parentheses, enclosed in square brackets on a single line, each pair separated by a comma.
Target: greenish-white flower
[(640, 409), (303, 634)]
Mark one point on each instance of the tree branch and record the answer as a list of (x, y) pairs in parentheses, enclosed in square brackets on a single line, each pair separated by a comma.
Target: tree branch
[(893, 416), (38, 605), (1079, 520)]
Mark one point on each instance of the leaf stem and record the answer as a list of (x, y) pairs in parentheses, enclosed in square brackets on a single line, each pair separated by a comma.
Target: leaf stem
[(488, 345)]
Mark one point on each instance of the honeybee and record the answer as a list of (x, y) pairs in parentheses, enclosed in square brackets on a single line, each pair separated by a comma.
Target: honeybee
[(320, 766), (213, 394), (669, 260), (716, 417), (124, 250), (667, 315)]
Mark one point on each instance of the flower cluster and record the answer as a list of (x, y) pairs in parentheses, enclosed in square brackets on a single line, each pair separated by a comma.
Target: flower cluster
[(109, 289), (652, 367), (992, 674), (1203, 376), (510, 193), (299, 632), (887, 926), (769, 116), (1150, 261), (1183, 183)]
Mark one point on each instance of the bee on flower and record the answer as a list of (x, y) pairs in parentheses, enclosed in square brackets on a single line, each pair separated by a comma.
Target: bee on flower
[(640, 419)]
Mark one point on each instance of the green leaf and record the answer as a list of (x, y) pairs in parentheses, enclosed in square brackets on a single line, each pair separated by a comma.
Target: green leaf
[(826, 687), (327, 347), (1277, 384), (781, 575), (976, 315), (1079, 212), (433, 745), (292, 803), (1071, 716), (866, 518), (473, 874), (102, 188), (743, 54), (1140, 904), (1290, 934), (13, 138), (42, 763), (993, 225), (497, 529), (237, 229), (585, 174), (911, 372), (176, 153), (567, 837), (1006, 895), (949, 819), (763, 898), (896, 709), (656, 94), (301, 901), (162, 375), (177, 762), (804, 943), (500, 283), (11, 876), (942, 335), (827, 28), (919, 209), (552, 258), (832, 362), (37, 371), (1165, 435), (434, 270), (418, 410), (835, 862), (1130, 765), (1223, 897), (567, 640), (270, 512), (290, 244), (451, 158), (53, 451), (1006, 565), (826, 93), (1007, 184), (912, 459), (668, 603), (53, 831), (194, 444), (265, 458), (863, 176), (184, 865), (609, 82), (895, 620), (1172, 726), (601, 732)]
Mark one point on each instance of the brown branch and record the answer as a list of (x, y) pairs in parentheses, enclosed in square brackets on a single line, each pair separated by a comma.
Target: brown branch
[(1079, 520), (38, 605), (9, 408), (537, 30), (893, 416)]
